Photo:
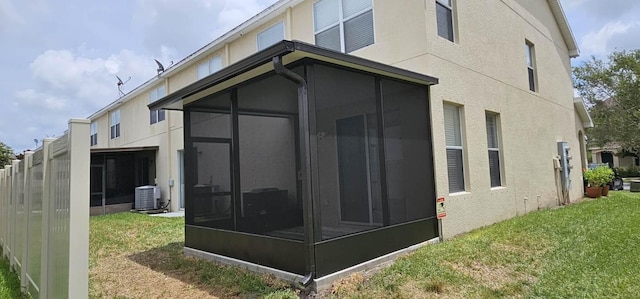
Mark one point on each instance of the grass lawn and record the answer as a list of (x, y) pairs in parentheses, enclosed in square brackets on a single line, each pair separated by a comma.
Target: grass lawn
[(9, 282), (138, 256), (585, 250)]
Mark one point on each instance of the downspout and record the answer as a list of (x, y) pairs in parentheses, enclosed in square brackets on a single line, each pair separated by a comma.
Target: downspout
[(305, 145)]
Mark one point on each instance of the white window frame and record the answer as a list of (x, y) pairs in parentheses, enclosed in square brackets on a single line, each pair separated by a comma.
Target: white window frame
[(266, 45), (460, 122), (94, 133), (448, 4), (114, 127), (158, 115), (530, 53), (211, 66), (341, 21), (498, 141)]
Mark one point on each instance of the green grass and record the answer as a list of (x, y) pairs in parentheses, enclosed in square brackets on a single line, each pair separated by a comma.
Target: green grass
[(9, 282), (586, 250)]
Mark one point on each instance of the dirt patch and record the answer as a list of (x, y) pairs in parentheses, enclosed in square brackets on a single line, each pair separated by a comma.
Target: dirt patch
[(494, 277), (119, 276)]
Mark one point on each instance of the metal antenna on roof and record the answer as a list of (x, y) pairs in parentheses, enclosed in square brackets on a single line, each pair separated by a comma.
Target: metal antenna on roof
[(161, 67), (120, 84)]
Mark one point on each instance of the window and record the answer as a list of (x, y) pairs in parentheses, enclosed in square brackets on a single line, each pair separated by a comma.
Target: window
[(531, 64), (271, 36), (453, 136), (94, 133), (115, 124), (156, 116), (494, 149), (343, 25), (209, 67), (444, 18)]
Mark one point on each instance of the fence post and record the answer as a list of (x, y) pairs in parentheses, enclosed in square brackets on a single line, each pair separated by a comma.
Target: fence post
[(46, 219), (6, 212), (80, 159), (3, 209), (12, 214), (26, 223)]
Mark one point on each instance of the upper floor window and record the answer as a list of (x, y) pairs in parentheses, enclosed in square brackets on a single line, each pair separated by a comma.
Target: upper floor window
[(444, 16), (115, 124), (155, 94), (271, 36), (454, 146), (94, 133), (209, 67), (531, 65), (494, 149), (343, 25)]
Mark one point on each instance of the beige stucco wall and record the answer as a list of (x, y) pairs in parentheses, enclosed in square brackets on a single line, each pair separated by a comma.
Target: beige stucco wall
[(483, 70)]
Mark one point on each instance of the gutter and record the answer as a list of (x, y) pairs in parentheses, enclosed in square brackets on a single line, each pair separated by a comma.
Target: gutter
[(305, 155)]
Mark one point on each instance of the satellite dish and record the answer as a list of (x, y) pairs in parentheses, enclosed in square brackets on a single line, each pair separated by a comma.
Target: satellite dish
[(120, 85), (160, 67)]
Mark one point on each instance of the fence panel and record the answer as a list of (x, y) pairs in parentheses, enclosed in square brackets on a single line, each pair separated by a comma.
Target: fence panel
[(44, 216), (35, 175), (18, 199)]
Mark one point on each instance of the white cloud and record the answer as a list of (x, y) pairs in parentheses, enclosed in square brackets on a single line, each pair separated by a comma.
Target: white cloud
[(185, 26), (598, 42), (90, 82), (33, 99)]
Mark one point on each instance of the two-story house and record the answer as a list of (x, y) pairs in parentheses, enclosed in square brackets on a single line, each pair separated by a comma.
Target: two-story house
[(317, 155)]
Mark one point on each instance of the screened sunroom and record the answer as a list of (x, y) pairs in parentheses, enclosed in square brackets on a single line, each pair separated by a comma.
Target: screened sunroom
[(306, 160)]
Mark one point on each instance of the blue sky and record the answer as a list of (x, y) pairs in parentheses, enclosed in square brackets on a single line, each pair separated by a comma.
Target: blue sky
[(59, 59)]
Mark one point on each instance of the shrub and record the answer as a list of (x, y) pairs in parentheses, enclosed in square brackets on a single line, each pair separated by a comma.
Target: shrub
[(598, 176), (631, 171)]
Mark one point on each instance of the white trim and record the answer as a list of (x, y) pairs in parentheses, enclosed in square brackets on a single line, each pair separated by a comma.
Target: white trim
[(565, 29), (583, 112)]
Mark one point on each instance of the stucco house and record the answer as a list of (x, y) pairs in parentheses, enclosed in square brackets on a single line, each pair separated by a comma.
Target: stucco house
[(614, 156), (342, 136)]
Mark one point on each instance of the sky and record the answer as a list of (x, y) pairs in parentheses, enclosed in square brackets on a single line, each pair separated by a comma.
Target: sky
[(59, 59)]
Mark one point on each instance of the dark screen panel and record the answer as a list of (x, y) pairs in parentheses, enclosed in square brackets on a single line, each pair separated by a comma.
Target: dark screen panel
[(408, 152), (347, 145)]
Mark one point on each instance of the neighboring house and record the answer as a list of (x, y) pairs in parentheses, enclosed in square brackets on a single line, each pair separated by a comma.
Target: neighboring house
[(492, 96), (614, 156)]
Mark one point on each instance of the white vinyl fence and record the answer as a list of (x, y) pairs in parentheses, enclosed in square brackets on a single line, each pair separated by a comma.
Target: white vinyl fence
[(44, 216)]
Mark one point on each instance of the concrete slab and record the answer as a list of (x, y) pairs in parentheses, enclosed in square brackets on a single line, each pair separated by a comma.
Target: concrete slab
[(169, 215)]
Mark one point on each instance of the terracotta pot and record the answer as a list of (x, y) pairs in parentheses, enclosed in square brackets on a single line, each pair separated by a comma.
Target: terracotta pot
[(594, 192), (605, 190)]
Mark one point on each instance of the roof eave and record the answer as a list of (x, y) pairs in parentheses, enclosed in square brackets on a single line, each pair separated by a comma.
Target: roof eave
[(176, 100), (565, 29), (583, 113)]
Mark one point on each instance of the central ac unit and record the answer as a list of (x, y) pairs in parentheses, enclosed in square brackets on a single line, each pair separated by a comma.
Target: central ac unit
[(147, 198)]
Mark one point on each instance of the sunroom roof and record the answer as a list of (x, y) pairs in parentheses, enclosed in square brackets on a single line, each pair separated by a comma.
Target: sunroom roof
[(261, 63)]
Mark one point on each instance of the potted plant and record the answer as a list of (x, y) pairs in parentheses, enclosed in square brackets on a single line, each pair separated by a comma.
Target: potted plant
[(607, 176), (597, 178)]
